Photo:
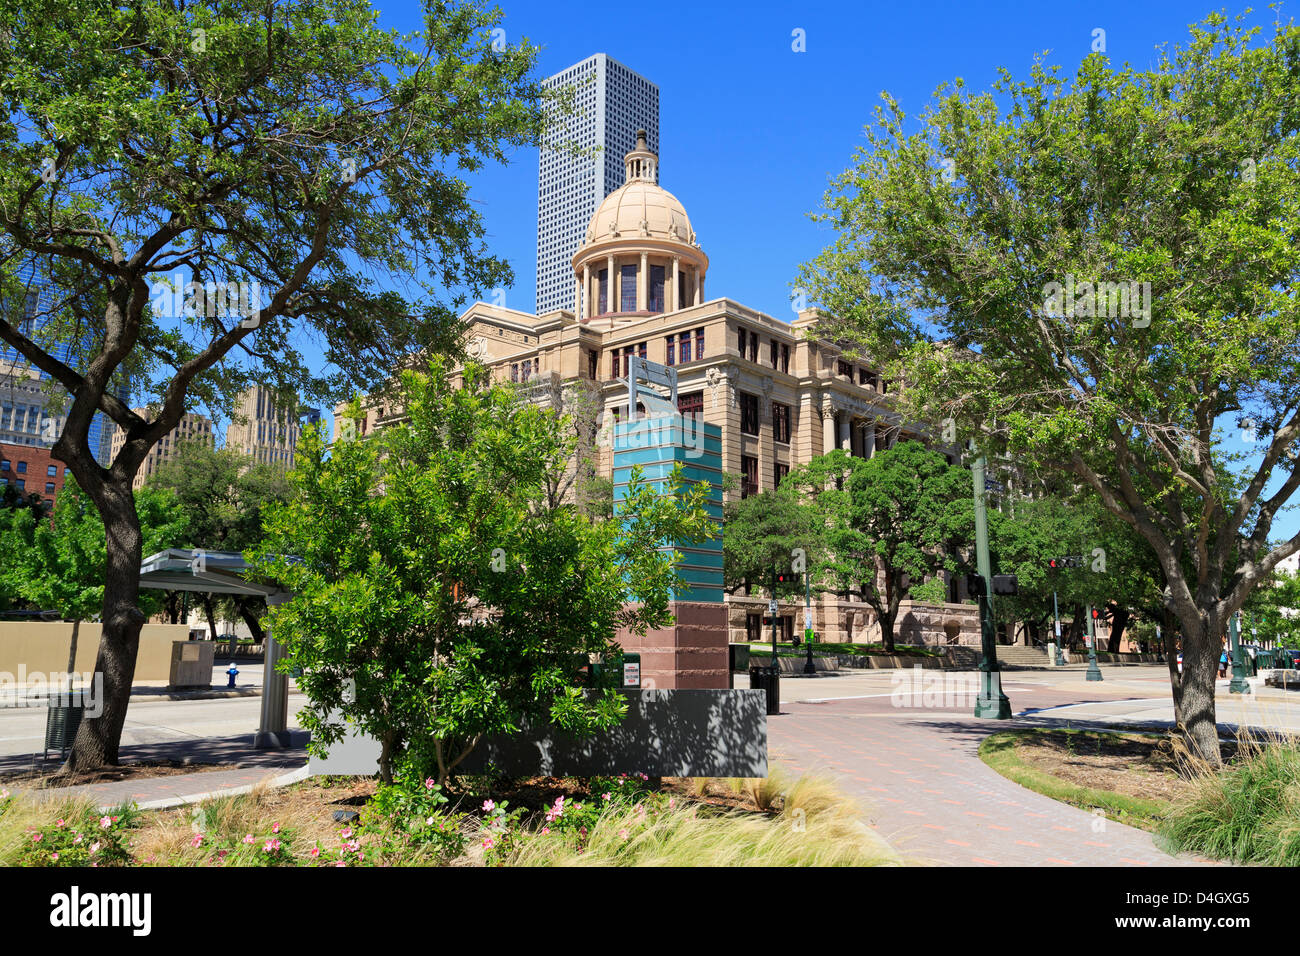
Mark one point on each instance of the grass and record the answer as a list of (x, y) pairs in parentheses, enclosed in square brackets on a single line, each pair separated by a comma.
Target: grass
[(1248, 812), (772, 821), (1000, 752), (815, 825)]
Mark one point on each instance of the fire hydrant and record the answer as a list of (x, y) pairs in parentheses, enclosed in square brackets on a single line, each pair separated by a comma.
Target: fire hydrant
[(233, 671)]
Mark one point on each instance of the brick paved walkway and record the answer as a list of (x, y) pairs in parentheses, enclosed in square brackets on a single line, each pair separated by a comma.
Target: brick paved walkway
[(929, 794)]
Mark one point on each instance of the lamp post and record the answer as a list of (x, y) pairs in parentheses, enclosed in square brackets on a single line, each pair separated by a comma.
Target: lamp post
[(1238, 684), (808, 666), (1094, 672), (1056, 613), (991, 702)]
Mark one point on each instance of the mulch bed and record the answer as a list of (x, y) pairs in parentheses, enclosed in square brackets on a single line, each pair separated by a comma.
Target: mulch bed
[(45, 779), (1138, 766)]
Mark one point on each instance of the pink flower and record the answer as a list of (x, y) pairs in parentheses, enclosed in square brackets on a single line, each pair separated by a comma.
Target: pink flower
[(221, 854), (59, 823), (54, 856), (4, 794), (341, 863), (94, 848), (315, 852), (275, 828), (347, 832), (198, 840), (36, 837), (623, 833), (77, 839), (429, 784), (672, 803), (606, 798), (489, 806), (272, 846), (105, 822), (545, 830), (487, 843)]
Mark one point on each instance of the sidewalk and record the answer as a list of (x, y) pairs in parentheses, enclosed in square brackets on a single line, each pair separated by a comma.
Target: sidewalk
[(250, 767)]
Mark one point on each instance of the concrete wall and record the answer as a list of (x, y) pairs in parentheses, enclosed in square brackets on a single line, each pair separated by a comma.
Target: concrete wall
[(43, 646), (667, 733)]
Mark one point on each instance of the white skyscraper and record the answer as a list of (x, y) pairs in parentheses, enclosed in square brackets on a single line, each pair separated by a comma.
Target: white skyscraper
[(612, 103)]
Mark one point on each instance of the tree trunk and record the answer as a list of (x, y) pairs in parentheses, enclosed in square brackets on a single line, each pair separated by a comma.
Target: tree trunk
[(72, 649), (1077, 625), (1195, 713), (1118, 621), (98, 738), (254, 625), (212, 621)]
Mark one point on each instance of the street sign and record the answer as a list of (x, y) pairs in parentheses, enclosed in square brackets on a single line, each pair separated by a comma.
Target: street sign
[(807, 620), (771, 607)]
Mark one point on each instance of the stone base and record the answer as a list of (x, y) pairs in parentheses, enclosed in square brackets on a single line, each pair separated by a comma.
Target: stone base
[(690, 653)]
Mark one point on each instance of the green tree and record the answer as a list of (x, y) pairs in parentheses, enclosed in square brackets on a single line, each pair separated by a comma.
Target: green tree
[(441, 594), (998, 251), (223, 495), (56, 561), (764, 535), (886, 521), (287, 154)]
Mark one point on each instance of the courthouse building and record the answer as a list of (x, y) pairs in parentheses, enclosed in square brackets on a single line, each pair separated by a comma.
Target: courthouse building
[(780, 395)]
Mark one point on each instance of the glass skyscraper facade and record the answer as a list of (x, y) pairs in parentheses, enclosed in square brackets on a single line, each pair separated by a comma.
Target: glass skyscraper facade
[(611, 103), (29, 414)]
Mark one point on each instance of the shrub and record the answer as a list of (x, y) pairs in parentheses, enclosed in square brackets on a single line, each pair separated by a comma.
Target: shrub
[(1248, 812)]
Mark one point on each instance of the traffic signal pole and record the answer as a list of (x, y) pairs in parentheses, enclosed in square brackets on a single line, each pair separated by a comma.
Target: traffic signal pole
[(1056, 613), (1094, 672)]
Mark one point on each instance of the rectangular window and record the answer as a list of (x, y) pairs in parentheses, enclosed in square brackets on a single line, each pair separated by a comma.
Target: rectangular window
[(753, 627), (514, 371), (785, 357), (672, 351), (748, 476), (602, 303), (613, 363), (22, 484), (775, 354), (684, 340), (691, 404), (22, 468), (627, 289), (748, 413), (699, 344), (845, 368), (781, 423), (740, 342), (4, 464), (779, 472), (591, 364), (657, 289), (51, 471), (49, 487)]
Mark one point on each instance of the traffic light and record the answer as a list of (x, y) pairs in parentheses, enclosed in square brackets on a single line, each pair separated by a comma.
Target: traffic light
[(1072, 561)]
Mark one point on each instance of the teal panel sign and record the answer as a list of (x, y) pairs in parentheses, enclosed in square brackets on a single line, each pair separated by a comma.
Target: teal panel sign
[(656, 445)]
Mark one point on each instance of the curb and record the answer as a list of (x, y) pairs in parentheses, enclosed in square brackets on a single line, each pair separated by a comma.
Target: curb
[(166, 803)]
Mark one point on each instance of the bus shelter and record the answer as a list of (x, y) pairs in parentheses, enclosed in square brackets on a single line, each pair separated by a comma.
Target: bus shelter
[(226, 572)]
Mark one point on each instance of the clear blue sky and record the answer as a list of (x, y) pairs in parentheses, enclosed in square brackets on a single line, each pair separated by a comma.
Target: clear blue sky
[(750, 131)]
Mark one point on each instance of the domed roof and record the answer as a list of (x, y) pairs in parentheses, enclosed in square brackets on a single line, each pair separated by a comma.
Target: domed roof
[(641, 208)]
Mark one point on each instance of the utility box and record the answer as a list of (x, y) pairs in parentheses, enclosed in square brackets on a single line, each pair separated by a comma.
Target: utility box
[(191, 665)]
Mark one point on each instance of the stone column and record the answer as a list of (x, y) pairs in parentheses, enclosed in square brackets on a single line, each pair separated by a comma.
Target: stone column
[(828, 428), (845, 441), (870, 437), (610, 285), (672, 306), (586, 291), (699, 286), (642, 281)]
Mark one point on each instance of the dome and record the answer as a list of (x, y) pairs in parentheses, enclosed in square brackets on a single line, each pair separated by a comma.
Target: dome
[(640, 209)]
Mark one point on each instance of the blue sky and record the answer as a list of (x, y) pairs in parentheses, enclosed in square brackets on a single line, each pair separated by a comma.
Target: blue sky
[(751, 131)]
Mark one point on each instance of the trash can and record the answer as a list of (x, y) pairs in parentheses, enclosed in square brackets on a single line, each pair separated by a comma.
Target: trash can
[(765, 678), (61, 723)]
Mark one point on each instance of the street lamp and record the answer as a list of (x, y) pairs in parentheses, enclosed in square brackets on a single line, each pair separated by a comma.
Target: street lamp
[(991, 702), (1094, 672), (1238, 684)]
